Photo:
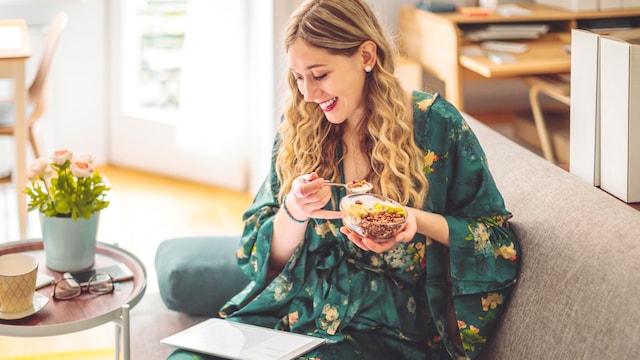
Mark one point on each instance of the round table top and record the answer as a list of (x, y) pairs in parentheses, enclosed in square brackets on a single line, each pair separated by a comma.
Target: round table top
[(85, 311)]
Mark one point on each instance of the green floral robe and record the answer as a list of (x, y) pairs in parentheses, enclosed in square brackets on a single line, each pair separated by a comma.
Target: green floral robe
[(420, 300)]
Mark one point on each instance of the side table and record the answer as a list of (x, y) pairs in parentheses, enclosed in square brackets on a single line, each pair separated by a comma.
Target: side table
[(87, 310)]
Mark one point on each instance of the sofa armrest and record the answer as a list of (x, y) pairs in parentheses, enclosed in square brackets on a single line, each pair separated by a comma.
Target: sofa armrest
[(197, 275)]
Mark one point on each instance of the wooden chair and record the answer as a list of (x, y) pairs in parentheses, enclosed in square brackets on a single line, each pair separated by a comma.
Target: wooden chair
[(557, 87), (38, 90)]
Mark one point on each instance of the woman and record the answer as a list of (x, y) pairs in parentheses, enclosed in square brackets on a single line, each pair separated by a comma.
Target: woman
[(437, 289)]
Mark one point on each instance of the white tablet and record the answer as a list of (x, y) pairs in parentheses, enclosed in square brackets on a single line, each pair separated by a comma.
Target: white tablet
[(240, 341)]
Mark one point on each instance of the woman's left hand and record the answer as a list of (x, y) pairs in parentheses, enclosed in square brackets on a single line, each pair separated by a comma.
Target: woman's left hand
[(405, 235)]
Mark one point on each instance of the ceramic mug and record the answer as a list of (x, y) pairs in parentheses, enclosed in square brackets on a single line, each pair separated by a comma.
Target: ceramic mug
[(18, 273)]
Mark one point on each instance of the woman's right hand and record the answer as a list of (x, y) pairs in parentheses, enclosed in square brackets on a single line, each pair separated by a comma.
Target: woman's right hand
[(308, 196)]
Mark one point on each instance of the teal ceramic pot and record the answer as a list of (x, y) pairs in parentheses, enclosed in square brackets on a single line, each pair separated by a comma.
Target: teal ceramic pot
[(69, 245)]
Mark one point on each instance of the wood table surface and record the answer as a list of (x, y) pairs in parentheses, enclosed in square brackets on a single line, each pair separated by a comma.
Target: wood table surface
[(87, 310)]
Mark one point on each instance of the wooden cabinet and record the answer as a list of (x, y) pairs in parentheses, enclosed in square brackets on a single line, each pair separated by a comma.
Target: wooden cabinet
[(436, 41)]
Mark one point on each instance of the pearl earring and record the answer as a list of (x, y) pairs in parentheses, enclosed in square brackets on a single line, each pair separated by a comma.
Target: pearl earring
[(368, 68)]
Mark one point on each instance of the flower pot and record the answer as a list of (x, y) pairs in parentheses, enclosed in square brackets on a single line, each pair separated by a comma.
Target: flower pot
[(69, 245)]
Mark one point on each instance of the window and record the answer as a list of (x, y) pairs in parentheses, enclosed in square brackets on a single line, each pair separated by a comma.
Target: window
[(193, 91), (162, 25)]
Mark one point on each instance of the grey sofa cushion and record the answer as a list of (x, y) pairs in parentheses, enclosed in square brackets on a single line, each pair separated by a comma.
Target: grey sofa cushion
[(197, 275), (577, 296)]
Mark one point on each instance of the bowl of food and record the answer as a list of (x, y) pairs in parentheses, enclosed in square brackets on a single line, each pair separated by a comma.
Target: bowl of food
[(373, 216)]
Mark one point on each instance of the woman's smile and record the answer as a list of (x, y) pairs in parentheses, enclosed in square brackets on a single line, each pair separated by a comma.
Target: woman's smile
[(329, 104)]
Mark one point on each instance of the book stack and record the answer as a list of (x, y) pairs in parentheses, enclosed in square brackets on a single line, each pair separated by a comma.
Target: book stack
[(591, 5), (604, 26), (630, 4), (508, 31), (609, 4), (504, 46), (619, 4), (573, 5)]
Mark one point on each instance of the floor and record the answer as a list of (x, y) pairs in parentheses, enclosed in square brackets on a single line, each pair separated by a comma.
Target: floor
[(144, 210)]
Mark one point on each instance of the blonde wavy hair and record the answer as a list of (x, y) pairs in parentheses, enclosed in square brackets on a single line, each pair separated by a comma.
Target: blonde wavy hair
[(309, 142)]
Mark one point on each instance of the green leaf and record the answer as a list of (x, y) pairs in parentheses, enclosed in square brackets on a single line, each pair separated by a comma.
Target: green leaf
[(67, 195)]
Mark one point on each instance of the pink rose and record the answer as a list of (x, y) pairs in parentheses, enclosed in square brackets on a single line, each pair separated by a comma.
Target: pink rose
[(83, 157), (61, 156), (37, 168), (81, 169)]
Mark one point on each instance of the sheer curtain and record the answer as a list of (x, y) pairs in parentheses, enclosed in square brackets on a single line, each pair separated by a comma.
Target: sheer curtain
[(227, 95), (214, 92)]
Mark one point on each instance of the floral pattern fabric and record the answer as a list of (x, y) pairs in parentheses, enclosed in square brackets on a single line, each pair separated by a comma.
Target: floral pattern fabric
[(420, 300)]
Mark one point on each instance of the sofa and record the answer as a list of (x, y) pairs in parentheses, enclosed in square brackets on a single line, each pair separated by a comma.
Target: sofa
[(578, 294)]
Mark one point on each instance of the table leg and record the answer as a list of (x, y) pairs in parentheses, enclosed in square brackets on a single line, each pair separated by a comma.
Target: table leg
[(123, 336), (453, 89), (20, 97), (541, 126)]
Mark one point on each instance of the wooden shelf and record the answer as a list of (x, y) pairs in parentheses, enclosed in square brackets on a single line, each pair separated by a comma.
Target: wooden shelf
[(435, 40), (541, 58)]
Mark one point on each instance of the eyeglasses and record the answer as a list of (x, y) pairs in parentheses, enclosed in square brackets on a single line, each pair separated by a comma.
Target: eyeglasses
[(98, 284)]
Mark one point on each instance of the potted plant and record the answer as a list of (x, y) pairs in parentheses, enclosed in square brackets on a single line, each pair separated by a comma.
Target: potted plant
[(69, 195)]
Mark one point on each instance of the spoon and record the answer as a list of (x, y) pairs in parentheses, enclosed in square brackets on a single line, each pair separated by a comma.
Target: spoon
[(363, 188)]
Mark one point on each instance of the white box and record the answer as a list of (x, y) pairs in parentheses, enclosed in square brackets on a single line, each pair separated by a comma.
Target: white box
[(610, 4), (573, 5), (620, 115), (631, 4), (584, 133)]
